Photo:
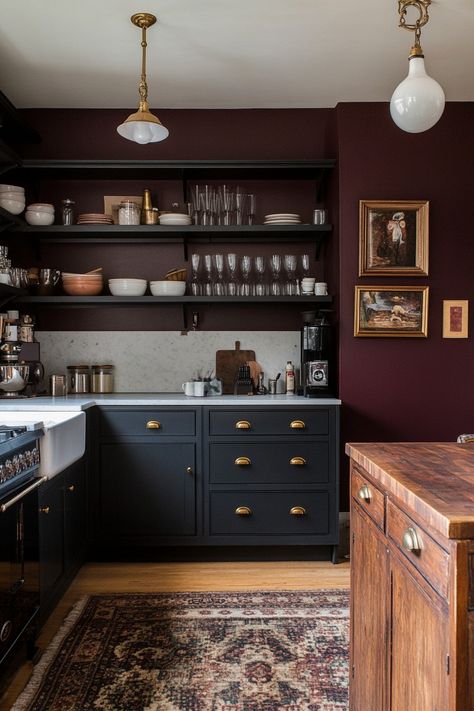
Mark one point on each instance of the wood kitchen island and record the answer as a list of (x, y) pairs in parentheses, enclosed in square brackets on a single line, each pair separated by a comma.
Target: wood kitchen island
[(412, 576)]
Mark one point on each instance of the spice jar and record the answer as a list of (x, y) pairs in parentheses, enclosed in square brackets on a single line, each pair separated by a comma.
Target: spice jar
[(102, 378), (78, 378), (128, 213), (67, 211)]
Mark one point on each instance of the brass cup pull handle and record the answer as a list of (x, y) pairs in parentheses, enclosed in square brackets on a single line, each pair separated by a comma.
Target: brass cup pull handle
[(71, 488), (243, 425), (364, 493), (298, 461), (298, 511), (243, 511), (45, 510), (153, 425), (297, 425), (411, 540), (243, 461)]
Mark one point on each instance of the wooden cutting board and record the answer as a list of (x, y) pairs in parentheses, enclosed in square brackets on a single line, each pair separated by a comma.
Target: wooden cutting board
[(227, 365)]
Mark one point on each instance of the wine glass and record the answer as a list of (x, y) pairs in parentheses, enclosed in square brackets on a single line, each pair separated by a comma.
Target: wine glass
[(232, 284), (290, 267), (304, 266), (251, 208), (275, 266), (195, 283), (260, 286), (245, 267), (219, 284), (207, 286)]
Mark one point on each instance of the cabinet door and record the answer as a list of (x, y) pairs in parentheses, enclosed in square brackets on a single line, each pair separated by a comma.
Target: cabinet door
[(370, 605), (419, 644), (74, 515), (51, 512), (147, 489)]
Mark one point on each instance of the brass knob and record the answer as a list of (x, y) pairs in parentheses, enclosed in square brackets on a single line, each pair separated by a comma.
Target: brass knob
[(297, 425), (243, 511), (298, 511), (71, 488), (153, 425), (411, 540), (243, 425), (242, 461), (189, 470), (45, 510), (298, 461), (364, 493)]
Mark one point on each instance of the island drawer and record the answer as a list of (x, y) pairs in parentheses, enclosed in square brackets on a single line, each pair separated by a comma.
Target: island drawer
[(269, 512), (269, 462), (368, 496), (147, 423), (269, 422), (419, 548)]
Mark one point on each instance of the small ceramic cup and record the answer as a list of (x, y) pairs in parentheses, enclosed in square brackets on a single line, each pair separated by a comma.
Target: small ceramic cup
[(188, 388), (321, 288)]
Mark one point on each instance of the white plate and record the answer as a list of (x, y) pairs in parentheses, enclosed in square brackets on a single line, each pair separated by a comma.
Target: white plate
[(283, 222), (283, 215)]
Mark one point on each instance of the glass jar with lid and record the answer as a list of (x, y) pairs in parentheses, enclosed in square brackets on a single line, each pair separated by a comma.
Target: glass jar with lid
[(128, 213), (67, 211), (102, 378), (78, 379)]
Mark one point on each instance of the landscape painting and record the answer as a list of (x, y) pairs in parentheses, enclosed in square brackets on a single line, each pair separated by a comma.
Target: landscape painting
[(401, 311)]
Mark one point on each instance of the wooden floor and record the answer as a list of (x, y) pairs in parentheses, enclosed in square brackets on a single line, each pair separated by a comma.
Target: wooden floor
[(181, 577)]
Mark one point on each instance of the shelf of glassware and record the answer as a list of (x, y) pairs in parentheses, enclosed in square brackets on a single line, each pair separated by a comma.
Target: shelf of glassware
[(108, 301)]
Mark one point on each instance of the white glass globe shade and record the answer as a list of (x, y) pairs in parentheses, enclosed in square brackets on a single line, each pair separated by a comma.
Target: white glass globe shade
[(143, 131), (418, 101)]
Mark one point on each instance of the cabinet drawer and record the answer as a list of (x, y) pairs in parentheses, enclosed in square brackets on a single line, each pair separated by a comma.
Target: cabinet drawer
[(269, 462), (270, 422), (368, 497), (269, 513), (420, 549), (147, 423)]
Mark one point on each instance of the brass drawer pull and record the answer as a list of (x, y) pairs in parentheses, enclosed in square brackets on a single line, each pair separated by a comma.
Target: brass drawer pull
[(153, 425), (243, 425), (297, 425), (298, 461), (364, 493), (242, 461), (411, 541), (298, 511), (71, 488), (243, 511), (45, 510)]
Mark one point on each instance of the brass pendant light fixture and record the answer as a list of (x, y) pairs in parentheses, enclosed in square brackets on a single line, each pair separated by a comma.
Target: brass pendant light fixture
[(142, 126)]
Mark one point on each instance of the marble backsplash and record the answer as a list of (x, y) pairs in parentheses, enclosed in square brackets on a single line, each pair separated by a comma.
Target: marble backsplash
[(159, 361)]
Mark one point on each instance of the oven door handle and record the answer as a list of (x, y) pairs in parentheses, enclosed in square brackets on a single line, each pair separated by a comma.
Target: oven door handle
[(38, 482)]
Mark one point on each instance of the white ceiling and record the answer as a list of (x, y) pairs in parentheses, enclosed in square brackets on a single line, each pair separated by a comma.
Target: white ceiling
[(225, 53)]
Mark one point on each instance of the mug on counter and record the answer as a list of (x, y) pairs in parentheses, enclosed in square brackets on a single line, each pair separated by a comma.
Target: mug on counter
[(194, 388)]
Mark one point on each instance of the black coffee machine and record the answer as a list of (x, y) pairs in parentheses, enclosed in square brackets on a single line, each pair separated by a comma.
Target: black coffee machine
[(317, 361)]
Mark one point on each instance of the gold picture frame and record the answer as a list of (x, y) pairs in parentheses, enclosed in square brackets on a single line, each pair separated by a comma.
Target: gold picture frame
[(393, 237), (400, 311), (455, 318)]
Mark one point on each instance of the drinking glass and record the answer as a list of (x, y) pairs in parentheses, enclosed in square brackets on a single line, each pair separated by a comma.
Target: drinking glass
[(195, 283), (245, 267), (260, 286), (219, 284), (195, 205), (207, 286), (207, 204), (232, 284), (240, 204), (275, 266), (290, 267), (227, 202), (251, 208), (304, 265)]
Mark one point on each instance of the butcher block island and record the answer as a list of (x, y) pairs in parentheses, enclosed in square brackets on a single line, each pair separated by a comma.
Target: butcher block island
[(412, 576)]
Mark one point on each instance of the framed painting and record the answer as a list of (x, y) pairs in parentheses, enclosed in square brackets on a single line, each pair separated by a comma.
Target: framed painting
[(455, 315), (393, 238), (397, 311)]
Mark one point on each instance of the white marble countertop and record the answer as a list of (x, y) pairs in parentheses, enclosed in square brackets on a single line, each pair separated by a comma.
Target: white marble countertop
[(83, 402)]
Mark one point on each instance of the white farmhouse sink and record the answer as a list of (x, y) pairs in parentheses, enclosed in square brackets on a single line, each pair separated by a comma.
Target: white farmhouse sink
[(64, 439)]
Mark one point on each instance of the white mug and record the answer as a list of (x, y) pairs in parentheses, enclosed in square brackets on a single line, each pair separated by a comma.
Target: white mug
[(199, 388), (188, 387)]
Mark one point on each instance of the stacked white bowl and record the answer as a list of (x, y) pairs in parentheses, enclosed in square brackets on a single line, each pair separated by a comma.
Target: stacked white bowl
[(12, 198), (167, 288), (40, 213), (127, 287), (174, 218)]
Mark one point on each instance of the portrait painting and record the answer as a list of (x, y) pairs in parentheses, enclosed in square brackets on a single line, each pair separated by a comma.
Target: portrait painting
[(393, 238), (382, 311)]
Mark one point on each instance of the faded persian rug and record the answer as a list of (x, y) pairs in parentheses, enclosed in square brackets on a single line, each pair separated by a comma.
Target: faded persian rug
[(265, 651)]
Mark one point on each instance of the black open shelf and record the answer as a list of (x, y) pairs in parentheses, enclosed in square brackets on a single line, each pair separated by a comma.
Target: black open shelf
[(76, 301)]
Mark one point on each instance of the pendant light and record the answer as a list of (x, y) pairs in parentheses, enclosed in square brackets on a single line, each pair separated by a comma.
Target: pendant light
[(143, 126), (418, 101)]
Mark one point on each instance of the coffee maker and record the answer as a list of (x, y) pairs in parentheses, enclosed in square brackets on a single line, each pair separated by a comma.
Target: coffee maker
[(317, 361), (21, 370)]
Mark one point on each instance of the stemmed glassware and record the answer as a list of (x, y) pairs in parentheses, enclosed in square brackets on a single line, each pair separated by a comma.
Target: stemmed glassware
[(219, 284), (232, 284), (304, 266), (195, 283), (290, 267), (240, 204), (245, 267), (207, 286), (260, 286), (275, 266), (251, 208)]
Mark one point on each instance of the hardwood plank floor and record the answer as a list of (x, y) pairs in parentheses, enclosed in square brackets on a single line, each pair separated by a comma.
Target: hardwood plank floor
[(181, 577)]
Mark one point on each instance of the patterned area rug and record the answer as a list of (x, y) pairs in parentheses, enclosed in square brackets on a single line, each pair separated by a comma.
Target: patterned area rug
[(266, 651)]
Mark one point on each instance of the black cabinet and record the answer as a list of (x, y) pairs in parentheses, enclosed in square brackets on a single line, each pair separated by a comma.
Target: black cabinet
[(74, 517)]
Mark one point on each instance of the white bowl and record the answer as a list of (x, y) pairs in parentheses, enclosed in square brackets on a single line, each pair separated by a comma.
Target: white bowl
[(127, 280), (34, 217), (11, 189), (12, 195), (127, 288), (168, 288), (41, 207), (12, 206)]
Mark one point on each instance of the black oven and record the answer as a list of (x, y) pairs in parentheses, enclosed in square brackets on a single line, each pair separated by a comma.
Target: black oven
[(19, 539)]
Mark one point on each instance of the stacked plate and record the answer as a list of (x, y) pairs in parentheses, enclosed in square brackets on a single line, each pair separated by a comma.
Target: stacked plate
[(94, 218), (12, 198), (282, 218), (175, 218)]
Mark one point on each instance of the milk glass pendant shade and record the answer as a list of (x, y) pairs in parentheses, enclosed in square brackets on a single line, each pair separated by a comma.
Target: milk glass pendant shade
[(418, 101), (143, 126)]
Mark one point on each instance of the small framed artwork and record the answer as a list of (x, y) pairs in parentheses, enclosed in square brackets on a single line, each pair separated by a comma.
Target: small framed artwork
[(455, 315), (393, 238), (397, 311)]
